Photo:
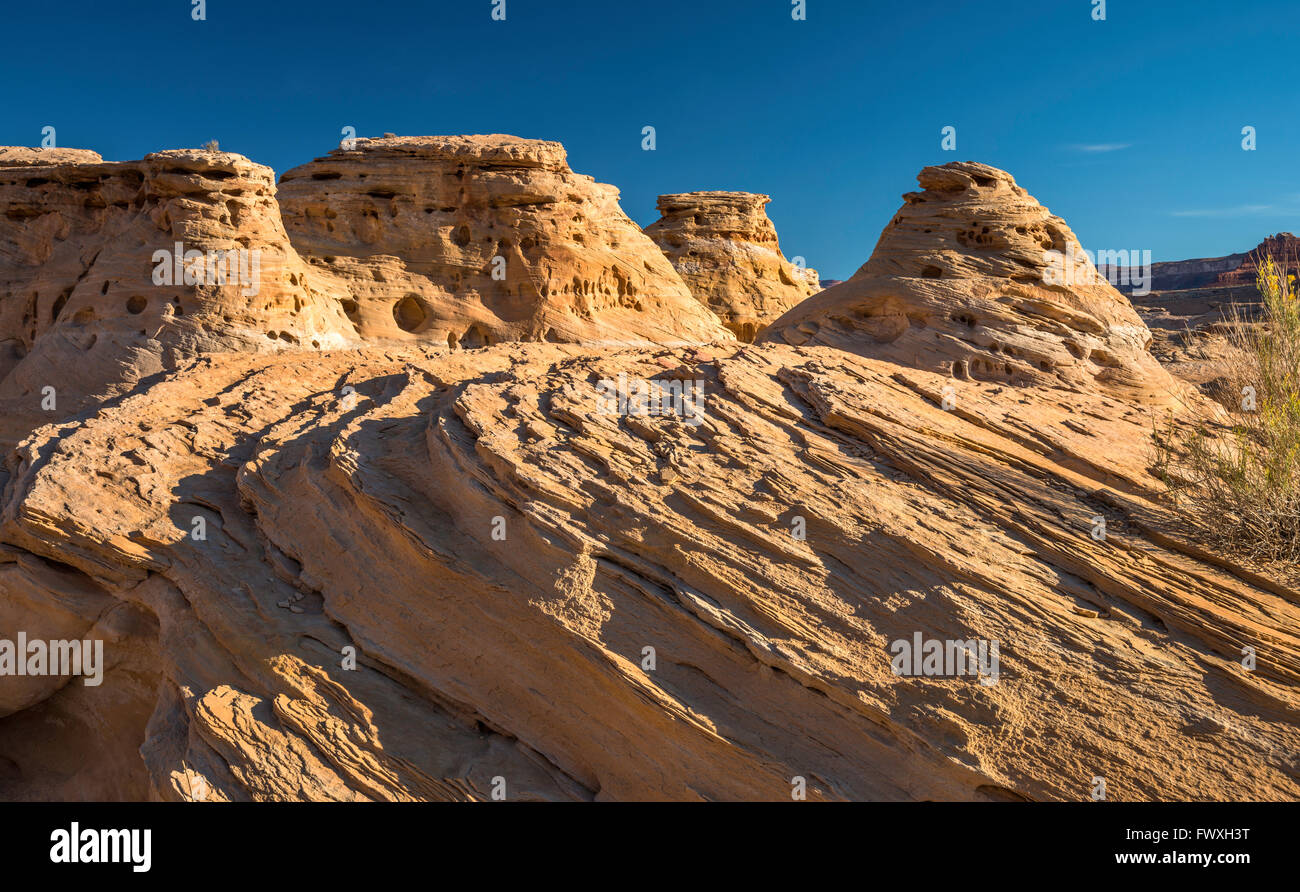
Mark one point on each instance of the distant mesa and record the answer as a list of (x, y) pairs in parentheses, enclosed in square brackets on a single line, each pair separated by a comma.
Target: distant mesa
[(960, 281), (1198, 293), (725, 247), (1232, 271), (1190, 300)]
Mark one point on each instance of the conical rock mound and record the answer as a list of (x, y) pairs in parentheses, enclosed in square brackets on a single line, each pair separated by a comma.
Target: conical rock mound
[(975, 277)]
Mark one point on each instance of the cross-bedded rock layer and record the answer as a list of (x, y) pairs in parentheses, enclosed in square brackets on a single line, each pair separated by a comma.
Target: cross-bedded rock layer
[(403, 572), (369, 519)]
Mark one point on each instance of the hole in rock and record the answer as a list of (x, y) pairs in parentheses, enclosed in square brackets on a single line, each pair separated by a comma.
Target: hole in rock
[(135, 304), (476, 337), (409, 313)]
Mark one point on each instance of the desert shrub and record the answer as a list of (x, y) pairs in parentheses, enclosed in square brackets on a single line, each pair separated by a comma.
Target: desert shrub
[(1239, 482)]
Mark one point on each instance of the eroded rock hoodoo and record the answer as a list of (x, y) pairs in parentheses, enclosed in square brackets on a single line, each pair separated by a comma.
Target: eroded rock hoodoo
[(453, 573), (974, 276), (725, 247), (112, 271), (468, 241)]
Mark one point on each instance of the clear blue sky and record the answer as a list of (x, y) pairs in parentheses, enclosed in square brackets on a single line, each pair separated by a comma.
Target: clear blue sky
[(1129, 128)]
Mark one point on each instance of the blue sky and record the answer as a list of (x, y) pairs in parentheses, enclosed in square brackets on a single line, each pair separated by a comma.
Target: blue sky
[(1129, 128)]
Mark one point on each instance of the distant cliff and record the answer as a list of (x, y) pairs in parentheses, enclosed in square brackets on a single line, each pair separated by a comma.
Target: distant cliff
[(1216, 272)]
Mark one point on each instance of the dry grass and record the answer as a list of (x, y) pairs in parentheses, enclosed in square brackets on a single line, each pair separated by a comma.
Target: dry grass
[(1240, 484)]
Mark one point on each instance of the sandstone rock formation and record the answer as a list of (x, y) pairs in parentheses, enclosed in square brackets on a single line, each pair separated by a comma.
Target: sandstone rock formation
[(971, 277), (401, 572), (474, 240), (401, 239), (368, 522), (88, 304), (725, 247), (22, 156)]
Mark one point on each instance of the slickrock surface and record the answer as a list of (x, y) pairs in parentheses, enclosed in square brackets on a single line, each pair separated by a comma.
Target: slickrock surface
[(413, 228), (367, 521), (557, 602), (80, 308), (725, 247), (959, 282)]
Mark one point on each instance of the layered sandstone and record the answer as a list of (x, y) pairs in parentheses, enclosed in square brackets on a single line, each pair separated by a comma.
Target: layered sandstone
[(500, 553), (474, 240), (400, 572), (725, 247), (974, 277), (94, 297), (22, 156)]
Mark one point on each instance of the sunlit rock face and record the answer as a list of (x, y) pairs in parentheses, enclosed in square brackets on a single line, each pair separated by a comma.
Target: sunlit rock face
[(114, 271), (466, 241), (973, 276), (406, 570), (725, 247)]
